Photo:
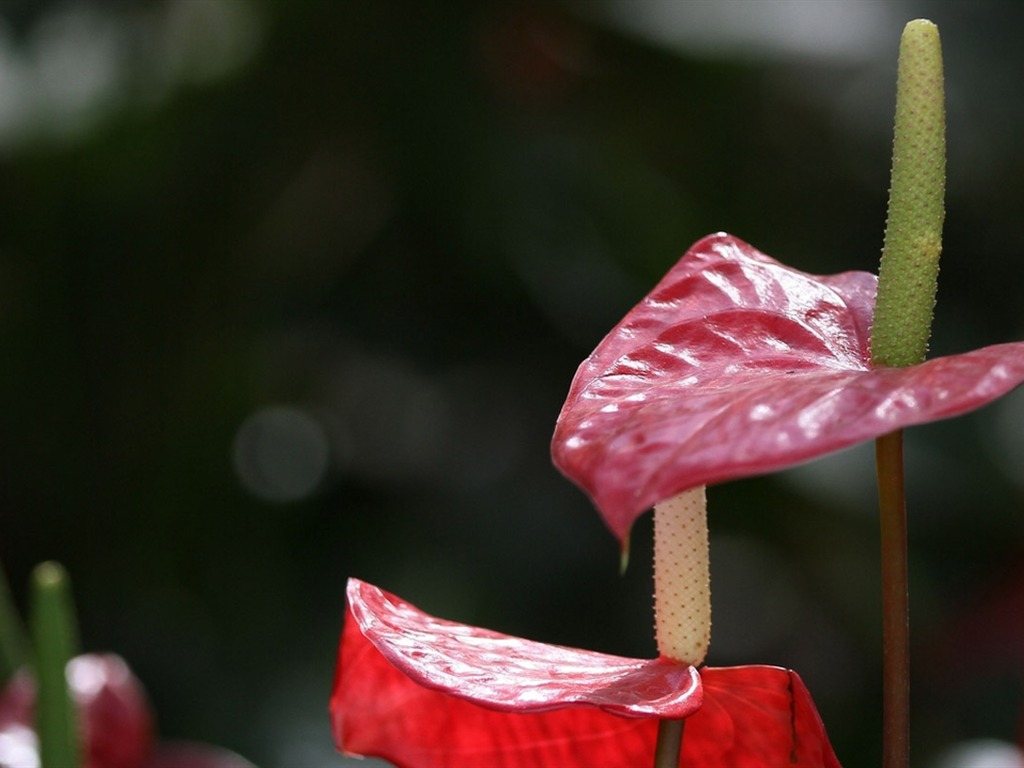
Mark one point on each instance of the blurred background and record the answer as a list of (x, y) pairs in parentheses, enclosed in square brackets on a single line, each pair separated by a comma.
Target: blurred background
[(292, 291)]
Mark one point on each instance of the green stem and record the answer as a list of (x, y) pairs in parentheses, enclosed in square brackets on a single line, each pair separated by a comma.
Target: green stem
[(13, 639), (670, 743), (54, 633), (895, 603)]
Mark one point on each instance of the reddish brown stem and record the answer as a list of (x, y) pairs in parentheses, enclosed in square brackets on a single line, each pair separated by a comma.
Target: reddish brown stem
[(670, 743), (895, 602)]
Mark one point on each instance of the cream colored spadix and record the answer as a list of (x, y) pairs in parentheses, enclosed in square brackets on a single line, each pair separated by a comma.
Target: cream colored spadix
[(682, 579)]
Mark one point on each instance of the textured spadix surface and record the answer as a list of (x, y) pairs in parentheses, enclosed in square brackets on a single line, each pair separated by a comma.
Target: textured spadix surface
[(736, 365), (427, 693)]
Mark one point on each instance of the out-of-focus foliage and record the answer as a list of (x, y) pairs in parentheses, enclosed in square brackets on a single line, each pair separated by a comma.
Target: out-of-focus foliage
[(292, 290)]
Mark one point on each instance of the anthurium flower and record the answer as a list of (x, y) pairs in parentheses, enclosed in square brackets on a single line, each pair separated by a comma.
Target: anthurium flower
[(422, 692), (114, 714), (114, 718), (736, 365)]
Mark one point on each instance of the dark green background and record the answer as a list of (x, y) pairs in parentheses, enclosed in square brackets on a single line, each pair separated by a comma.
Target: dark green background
[(411, 221)]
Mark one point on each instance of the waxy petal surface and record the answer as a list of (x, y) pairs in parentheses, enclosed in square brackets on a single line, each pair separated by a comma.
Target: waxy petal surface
[(426, 693), (737, 365), (510, 673), (751, 716)]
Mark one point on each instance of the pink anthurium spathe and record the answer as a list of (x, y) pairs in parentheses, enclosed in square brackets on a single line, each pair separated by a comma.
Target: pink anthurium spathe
[(422, 692), (736, 365)]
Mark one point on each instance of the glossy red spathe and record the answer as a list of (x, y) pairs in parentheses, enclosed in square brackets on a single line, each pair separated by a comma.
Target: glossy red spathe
[(512, 673), (422, 692), (735, 365)]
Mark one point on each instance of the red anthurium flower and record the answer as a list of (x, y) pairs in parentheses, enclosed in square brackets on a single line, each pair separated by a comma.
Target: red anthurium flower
[(427, 693), (735, 365), (115, 720), (114, 713)]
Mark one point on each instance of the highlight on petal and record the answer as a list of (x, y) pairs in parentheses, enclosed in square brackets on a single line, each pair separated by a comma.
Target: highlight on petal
[(736, 365), (426, 693)]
